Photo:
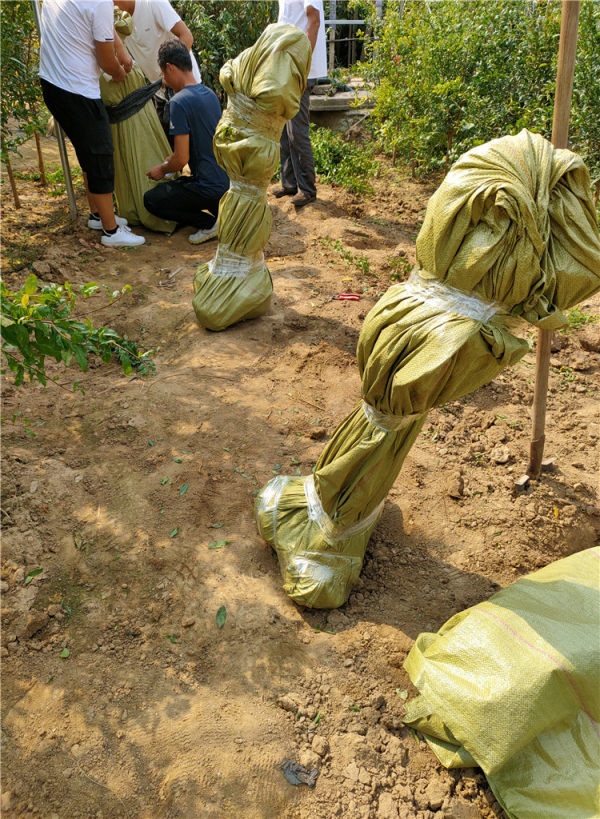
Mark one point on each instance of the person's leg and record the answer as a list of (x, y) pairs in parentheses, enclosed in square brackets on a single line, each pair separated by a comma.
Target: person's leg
[(85, 122), (288, 177), (212, 206), (102, 204), (95, 153), (100, 180), (179, 202), (301, 150), (92, 204), (204, 234), (105, 210)]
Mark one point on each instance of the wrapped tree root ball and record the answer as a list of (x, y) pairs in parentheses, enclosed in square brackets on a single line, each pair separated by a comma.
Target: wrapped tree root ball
[(264, 85), (510, 235)]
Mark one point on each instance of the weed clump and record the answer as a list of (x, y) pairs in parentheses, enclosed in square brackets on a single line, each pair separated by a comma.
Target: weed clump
[(342, 163)]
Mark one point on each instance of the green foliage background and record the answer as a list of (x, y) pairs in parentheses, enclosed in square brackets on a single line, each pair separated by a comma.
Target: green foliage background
[(223, 28), (447, 74), (343, 163), (450, 75)]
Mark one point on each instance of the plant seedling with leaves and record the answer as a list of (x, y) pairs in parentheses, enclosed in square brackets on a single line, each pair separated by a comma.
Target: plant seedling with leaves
[(37, 322)]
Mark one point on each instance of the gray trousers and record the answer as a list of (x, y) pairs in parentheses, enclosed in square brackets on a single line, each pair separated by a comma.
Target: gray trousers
[(297, 164)]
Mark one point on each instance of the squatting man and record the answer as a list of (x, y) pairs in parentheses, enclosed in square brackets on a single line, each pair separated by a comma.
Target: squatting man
[(194, 114)]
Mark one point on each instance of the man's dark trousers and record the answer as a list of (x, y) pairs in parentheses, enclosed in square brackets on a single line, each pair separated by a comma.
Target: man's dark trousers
[(181, 202), (297, 163)]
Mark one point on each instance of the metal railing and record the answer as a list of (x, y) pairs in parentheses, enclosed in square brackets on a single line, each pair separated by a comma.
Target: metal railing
[(352, 39)]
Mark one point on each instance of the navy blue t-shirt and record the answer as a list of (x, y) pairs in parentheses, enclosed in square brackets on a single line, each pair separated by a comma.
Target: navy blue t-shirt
[(195, 110)]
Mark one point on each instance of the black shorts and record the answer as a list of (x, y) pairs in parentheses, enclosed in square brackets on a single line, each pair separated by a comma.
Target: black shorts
[(85, 122)]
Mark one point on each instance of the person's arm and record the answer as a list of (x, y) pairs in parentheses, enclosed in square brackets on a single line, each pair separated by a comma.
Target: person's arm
[(178, 159), (183, 34), (107, 60), (123, 56), (314, 23)]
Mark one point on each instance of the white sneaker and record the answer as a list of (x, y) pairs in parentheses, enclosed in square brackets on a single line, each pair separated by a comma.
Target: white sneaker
[(95, 223), (122, 238), (203, 235)]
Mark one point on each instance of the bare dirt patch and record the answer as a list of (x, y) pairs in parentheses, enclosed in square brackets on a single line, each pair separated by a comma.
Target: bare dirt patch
[(157, 712)]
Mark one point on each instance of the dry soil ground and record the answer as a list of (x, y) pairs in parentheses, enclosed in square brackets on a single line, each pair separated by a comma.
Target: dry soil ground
[(157, 712)]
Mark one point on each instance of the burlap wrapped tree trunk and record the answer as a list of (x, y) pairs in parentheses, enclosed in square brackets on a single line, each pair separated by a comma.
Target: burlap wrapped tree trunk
[(139, 142), (264, 85), (512, 685), (510, 234)]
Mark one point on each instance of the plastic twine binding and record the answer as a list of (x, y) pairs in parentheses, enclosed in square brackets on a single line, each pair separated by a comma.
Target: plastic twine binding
[(451, 299), (269, 500), (227, 263), (245, 115), (254, 192), (329, 530), (386, 421)]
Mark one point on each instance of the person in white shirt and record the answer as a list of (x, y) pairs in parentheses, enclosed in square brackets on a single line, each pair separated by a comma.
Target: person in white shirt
[(297, 163), (78, 42), (155, 22)]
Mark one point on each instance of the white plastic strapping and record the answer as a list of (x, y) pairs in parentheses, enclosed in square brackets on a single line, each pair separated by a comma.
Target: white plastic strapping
[(268, 500), (450, 299), (386, 421), (254, 192), (331, 532), (248, 118), (227, 263)]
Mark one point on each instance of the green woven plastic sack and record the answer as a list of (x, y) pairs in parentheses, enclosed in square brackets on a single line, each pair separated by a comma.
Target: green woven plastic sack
[(264, 85), (510, 234), (513, 685), (139, 141)]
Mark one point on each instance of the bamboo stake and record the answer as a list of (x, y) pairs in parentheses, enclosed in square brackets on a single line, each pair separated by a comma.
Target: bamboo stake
[(564, 74), (13, 185), (560, 135)]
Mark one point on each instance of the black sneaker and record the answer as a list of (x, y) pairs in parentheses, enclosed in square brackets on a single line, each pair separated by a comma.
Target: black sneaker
[(279, 192), (303, 199)]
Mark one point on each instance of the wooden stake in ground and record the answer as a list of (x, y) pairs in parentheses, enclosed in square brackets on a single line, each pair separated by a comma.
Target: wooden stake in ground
[(13, 185), (560, 136)]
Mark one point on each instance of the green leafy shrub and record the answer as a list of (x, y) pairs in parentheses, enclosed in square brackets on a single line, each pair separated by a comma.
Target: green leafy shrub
[(222, 29), (338, 162), (37, 321), (450, 75)]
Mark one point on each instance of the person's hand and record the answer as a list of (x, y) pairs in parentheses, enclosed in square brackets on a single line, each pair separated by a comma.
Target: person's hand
[(156, 173), (119, 76), (127, 63)]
